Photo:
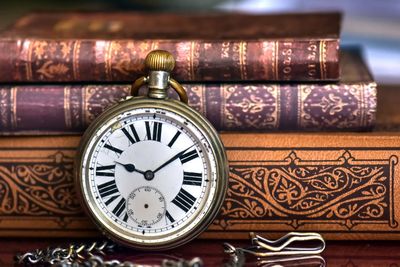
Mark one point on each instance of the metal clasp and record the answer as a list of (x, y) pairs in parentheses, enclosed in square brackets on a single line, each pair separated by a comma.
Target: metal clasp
[(292, 247)]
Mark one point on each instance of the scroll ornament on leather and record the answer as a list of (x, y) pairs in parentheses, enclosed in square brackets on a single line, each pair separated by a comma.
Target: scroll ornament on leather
[(343, 186)]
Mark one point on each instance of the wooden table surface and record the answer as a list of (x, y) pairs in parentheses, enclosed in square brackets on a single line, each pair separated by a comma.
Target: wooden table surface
[(343, 254)]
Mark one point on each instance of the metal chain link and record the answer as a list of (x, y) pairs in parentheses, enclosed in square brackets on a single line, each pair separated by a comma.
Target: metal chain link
[(88, 255)]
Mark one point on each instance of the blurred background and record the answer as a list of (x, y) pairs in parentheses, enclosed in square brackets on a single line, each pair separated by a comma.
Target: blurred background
[(373, 24)]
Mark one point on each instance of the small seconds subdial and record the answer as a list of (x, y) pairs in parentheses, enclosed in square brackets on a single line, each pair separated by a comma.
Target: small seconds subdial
[(146, 206)]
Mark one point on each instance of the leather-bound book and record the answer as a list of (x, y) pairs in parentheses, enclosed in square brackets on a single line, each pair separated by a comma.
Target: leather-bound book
[(99, 47), (64, 109), (343, 185)]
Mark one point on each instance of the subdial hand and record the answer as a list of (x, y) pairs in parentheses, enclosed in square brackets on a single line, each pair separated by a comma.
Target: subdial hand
[(172, 159), (130, 167)]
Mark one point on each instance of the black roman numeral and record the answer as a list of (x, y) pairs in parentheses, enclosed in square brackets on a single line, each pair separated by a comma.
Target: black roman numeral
[(192, 178), (107, 189), (112, 148), (111, 200), (134, 137), (172, 142), (106, 170), (169, 217), (119, 208), (156, 133), (184, 200), (188, 156)]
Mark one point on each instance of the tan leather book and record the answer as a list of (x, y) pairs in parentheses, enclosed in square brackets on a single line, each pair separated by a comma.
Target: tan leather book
[(343, 185)]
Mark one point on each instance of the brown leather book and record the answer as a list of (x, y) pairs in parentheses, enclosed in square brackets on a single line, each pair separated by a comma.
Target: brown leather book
[(64, 109), (76, 47), (343, 185)]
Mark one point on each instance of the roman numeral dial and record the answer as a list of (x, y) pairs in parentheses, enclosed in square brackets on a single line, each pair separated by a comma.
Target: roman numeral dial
[(150, 173)]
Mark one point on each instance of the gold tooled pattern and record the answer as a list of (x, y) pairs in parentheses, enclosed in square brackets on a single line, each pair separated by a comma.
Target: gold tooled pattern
[(275, 59), (249, 107), (67, 108), (75, 59), (243, 60), (296, 192), (322, 58), (336, 106), (38, 186)]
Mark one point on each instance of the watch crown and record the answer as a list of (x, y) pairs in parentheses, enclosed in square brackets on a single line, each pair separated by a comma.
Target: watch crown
[(160, 60)]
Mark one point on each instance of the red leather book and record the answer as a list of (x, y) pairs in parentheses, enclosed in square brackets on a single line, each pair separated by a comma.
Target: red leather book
[(347, 105), (98, 47)]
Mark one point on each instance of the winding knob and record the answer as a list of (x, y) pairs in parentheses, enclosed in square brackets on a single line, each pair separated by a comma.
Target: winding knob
[(160, 60)]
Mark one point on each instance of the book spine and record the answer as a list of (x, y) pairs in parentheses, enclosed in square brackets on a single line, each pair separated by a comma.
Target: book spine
[(37, 60), (343, 186), (53, 109)]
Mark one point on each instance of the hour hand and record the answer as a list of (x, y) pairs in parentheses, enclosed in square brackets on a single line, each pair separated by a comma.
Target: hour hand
[(130, 167)]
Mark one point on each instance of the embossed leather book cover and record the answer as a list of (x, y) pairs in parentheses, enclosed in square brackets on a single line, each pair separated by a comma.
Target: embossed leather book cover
[(343, 185), (348, 105), (98, 47)]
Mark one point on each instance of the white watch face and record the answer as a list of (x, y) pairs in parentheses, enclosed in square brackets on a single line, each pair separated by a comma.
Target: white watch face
[(149, 174)]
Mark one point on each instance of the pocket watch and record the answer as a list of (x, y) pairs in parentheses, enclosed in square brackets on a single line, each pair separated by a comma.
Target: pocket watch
[(152, 172)]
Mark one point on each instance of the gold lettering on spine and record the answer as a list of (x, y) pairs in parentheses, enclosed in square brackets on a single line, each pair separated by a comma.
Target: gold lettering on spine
[(322, 59), (242, 60), (14, 118), (312, 59), (75, 59), (67, 108), (225, 50), (287, 60)]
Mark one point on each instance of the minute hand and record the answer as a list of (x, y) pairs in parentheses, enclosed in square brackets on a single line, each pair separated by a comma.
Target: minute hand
[(172, 159)]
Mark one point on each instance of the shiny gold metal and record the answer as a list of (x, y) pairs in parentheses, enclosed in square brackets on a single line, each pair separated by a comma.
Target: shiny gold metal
[(159, 63), (163, 104), (179, 90), (160, 60)]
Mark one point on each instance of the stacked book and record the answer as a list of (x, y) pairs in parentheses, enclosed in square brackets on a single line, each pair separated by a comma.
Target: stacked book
[(295, 114)]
